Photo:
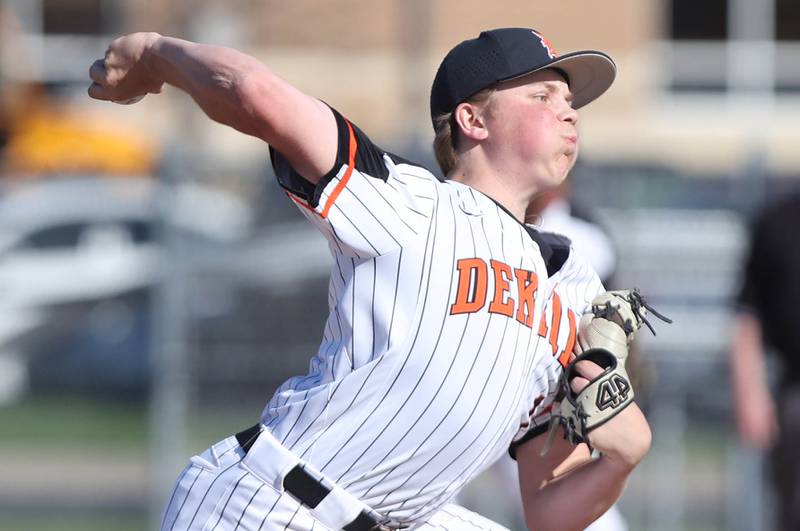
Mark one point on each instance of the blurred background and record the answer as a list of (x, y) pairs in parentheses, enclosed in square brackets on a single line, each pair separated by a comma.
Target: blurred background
[(155, 283)]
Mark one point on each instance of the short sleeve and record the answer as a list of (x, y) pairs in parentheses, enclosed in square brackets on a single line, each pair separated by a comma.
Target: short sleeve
[(370, 203)]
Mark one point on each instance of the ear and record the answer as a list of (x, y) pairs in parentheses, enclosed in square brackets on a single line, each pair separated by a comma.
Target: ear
[(471, 121)]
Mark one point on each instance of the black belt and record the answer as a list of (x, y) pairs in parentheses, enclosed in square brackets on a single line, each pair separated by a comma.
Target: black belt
[(307, 489)]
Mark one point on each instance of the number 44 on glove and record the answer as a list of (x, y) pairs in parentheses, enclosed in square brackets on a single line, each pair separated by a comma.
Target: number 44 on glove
[(604, 336)]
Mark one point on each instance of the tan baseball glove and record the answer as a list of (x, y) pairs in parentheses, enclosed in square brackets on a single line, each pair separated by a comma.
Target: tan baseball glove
[(604, 334)]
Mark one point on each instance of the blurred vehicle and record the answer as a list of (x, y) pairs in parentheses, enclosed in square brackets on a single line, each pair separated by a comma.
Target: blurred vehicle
[(79, 259)]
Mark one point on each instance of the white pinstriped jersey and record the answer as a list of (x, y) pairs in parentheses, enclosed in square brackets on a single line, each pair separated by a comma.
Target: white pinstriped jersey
[(436, 349)]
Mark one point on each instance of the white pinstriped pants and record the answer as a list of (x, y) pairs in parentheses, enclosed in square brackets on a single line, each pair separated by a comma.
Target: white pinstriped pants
[(216, 492)]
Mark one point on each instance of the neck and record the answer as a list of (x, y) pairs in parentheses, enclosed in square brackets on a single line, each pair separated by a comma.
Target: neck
[(504, 187)]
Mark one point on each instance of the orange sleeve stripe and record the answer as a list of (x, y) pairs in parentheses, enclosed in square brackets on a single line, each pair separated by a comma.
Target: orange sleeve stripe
[(351, 162), (300, 202)]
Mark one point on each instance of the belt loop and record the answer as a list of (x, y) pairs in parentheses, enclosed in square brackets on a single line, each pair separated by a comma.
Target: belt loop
[(247, 437), (305, 487), (328, 502)]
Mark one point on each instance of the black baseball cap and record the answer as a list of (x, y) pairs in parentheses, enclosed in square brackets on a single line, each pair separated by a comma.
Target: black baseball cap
[(504, 54)]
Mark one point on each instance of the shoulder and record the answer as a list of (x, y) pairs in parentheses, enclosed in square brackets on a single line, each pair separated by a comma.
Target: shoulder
[(356, 152), (369, 158)]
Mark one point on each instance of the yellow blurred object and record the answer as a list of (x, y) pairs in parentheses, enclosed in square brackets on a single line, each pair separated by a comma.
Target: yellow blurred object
[(57, 141)]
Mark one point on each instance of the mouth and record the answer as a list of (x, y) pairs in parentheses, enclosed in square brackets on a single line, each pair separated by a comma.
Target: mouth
[(571, 146)]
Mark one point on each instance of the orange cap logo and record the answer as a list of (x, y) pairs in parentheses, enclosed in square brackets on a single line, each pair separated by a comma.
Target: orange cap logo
[(547, 45)]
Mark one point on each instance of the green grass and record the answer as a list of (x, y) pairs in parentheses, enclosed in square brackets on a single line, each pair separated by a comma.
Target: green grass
[(73, 422), (74, 523), (69, 422), (70, 427)]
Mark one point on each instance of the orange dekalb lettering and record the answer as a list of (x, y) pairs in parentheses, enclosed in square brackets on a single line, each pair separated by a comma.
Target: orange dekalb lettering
[(472, 291)]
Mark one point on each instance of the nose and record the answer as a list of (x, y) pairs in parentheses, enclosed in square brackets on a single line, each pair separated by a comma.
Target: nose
[(568, 114)]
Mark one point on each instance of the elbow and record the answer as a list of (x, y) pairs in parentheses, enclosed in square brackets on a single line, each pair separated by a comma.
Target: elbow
[(240, 96), (253, 85), (257, 92)]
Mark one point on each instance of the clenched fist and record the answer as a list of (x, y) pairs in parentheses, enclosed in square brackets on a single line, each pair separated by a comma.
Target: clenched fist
[(123, 75)]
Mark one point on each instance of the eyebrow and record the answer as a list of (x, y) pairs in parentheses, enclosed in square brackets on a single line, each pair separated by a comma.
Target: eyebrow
[(552, 87)]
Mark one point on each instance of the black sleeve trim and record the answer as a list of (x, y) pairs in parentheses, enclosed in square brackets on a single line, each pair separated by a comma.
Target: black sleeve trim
[(368, 159), (397, 159), (289, 179), (532, 433)]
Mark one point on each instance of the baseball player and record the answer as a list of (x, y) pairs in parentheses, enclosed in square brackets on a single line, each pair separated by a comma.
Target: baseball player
[(451, 322)]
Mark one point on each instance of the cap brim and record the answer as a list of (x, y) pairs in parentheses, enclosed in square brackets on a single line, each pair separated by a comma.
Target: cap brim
[(590, 74)]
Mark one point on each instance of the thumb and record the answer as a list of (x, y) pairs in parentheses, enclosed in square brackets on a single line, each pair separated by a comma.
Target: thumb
[(98, 92)]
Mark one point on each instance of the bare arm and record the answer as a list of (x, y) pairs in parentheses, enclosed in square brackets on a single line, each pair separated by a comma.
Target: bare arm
[(566, 489), (755, 409), (230, 87)]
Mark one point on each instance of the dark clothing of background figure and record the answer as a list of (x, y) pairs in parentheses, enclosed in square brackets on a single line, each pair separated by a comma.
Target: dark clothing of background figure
[(771, 290)]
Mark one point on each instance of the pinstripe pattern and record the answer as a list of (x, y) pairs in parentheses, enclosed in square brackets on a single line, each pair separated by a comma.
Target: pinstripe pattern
[(431, 399), (416, 386), (439, 399), (216, 492), (577, 284)]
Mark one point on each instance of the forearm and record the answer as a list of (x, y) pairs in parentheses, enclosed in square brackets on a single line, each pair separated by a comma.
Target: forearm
[(748, 367), (577, 498), (565, 488), (225, 83), (230, 87), (755, 410), (747, 357)]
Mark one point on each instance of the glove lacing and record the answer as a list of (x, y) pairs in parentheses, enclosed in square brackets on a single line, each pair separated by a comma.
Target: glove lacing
[(636, 301)]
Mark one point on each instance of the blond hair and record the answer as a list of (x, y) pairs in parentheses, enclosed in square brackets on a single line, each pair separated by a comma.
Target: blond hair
[(445, 144)]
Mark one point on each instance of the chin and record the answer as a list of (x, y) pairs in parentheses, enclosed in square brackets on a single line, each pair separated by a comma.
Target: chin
[(565, 171), (562, 176), (554, 178)]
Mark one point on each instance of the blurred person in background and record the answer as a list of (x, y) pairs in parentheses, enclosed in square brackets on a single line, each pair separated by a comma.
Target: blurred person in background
[(766, 321), (559, 212), (556, 211)]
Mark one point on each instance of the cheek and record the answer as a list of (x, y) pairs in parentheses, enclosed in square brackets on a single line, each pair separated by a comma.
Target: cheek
[(537, 130)]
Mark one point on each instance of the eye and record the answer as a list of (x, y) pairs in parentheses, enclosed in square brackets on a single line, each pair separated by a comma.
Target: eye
[(541, 96)]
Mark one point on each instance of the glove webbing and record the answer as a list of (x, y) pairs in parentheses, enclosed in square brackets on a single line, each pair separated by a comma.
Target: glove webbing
[(639, 307)]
